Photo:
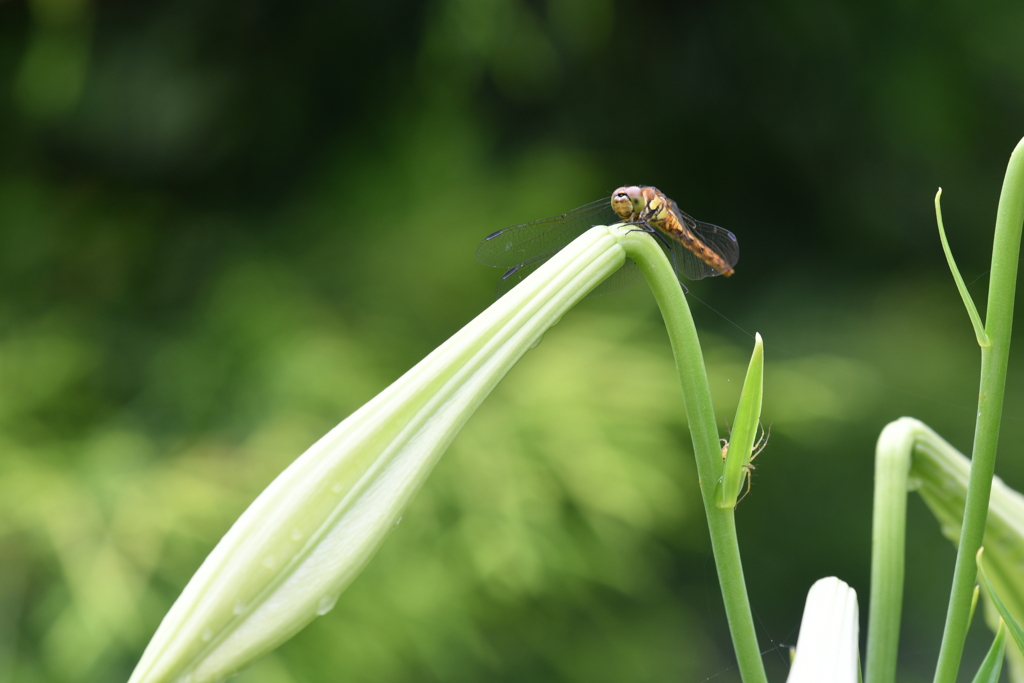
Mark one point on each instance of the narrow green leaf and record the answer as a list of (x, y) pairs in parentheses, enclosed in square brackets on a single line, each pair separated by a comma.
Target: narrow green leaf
[(738, 453), (1011, 623), (974, 605), (972, 311), (992, 665)]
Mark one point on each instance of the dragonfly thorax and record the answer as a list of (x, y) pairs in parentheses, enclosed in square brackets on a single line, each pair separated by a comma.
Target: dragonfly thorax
[(654, 206)]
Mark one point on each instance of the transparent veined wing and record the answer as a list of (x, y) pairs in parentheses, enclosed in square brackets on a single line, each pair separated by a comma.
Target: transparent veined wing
[(719, 240), (518, 244)]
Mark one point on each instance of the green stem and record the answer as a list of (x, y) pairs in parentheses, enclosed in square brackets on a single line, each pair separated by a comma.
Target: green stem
[(998, 325), (704, 432), (888, 546)]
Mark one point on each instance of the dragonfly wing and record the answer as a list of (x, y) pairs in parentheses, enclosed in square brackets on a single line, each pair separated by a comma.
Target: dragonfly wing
[(521, 243), (719, 240), (687, 264), (626, 276), (516, 274)]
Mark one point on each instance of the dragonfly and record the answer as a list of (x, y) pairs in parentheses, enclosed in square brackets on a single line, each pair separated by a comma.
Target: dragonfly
[(696, 249)]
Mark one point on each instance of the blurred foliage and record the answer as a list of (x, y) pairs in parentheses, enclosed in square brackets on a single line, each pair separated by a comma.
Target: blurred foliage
[(224, 226)]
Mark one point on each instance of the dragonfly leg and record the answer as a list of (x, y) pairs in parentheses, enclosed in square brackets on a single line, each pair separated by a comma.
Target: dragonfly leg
[(643, 227)]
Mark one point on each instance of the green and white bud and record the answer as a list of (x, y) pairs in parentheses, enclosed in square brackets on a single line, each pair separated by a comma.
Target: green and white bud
[(314, 528)]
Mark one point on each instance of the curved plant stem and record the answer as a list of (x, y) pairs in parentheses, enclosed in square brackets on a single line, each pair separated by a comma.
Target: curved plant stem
[(704, 432), (888, 545), (998, 324)]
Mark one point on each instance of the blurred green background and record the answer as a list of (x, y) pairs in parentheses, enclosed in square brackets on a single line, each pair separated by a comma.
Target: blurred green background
[(226, 225)]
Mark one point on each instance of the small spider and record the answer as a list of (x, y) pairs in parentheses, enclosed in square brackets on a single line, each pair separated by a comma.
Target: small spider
[(759, 446)]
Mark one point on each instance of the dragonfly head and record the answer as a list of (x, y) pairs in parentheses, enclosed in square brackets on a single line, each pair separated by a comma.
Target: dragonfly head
[(628, 202)]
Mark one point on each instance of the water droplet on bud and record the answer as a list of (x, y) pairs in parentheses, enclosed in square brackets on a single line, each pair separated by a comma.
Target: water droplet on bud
[(326, 604)]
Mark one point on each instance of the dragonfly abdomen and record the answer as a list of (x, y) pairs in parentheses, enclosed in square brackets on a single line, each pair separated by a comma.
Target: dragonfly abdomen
[(703, 252)]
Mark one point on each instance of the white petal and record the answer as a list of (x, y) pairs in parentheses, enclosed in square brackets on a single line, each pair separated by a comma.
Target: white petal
[(826, 651)]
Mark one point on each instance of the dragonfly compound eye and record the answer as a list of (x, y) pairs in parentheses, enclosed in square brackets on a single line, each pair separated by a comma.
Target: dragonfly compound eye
[(625, 202)]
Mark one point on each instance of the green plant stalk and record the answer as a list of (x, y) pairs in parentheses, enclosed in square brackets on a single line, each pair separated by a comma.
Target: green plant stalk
[(704, 433), (998, 326), (888, 546)]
